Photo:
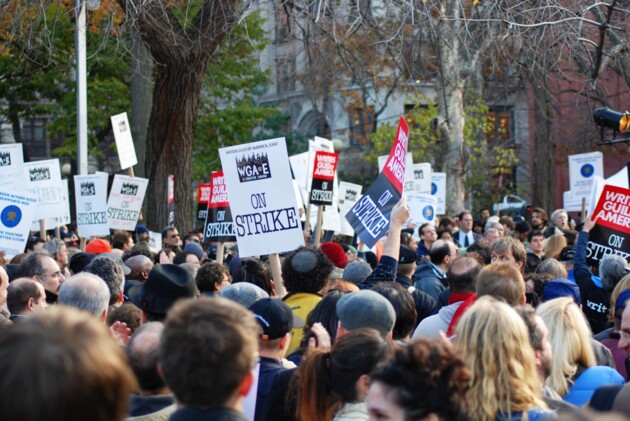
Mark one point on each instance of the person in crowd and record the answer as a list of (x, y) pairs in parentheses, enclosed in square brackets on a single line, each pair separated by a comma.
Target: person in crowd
[(406, 239), (538, 219), (509, 250), (209, 338), (424, 304), (595, 292), (559, 223), (4, 285), (491, 235), (59, 252), (243, 293), (504, 381), (186, 257), (574, 374), (166, 285), (63, 365), (275, 320), (425, 380), (554, 246), (462, 281), (404, 308), (121, 240), (139, 268), (444, 234), (128, 314), (465, 236), (430, 275), (428, 235), (212, 278), (155, 400), (111, 271), (333, 384), (508, 225), (45, 270), (34, 244), (255, 272), (25, 296), (521, 231), (553, 269), (165, 256), (88, 292), (365, 308), (171, 239), (304, 271), (98, 246), (535, 250), (611, 339)]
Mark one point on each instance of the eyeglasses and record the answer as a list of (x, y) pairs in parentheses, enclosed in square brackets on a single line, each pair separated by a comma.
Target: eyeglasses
[(173, 236)]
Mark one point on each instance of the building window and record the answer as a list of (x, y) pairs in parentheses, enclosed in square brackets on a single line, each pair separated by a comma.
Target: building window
[(283, 26), (35, 138), (362, 123), (500, 130), (285, 74)]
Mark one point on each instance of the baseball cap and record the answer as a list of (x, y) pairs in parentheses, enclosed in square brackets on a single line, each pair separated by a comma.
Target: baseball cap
[(98, 246), (561, 288), (244, 293), (274, 317), (567, 254), (366, 309)]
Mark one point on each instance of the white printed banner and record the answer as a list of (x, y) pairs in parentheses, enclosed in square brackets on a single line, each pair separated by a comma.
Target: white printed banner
[(43, 179), (265, 213), (64, 206), (422, 176), (17, 211), (582, 171), (423, 208), (409, 185), (349, 194), (438, 189), (90, 193), (125, 202), (124, 142), (11, 166)]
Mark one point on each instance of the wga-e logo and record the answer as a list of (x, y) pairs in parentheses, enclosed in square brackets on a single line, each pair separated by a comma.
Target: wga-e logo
[(39, 174), (5, 159), (88, 189), (253, 167), (129, 189)]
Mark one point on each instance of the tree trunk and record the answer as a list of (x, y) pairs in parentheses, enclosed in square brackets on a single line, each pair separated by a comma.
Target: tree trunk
[(170, 141), (543, 191), (141, 96)]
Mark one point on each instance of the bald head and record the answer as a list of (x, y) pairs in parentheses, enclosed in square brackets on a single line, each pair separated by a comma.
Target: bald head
[(140, 266)]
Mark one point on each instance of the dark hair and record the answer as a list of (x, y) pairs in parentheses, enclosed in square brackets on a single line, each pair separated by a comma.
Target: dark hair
[(182, 256), (462, 274), (209, 275), (128, 313), (143, 358), (324, 312), (483, 248), (426, 224), (441, 231), (424, 378), (32, 265), (137, 252), (528, 314), (328, 379), (539, 280), (522, 227), (254, 272), (208, 338), (446, 221), (571, 237), (507, 221), (541, 211), (309, 281), (110, 271), (439, 252), (404, 307), (515, 246), (535, 233), (120, 239), (461, 215), (166, 230), (19, 292)]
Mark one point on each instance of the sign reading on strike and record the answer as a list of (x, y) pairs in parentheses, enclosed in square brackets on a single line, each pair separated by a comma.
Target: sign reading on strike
[(370, 215), (323, 176), (613, 225), (219, 226)]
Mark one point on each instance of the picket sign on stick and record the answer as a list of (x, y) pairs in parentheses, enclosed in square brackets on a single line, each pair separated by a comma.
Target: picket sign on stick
[(307, 223), (276, 273), (583, 208), (58, 233), (318, 227), (220, 252), (42, 229), (82, 243)]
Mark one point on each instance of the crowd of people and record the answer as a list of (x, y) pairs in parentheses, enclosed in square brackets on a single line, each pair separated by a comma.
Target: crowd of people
[(477, 317)]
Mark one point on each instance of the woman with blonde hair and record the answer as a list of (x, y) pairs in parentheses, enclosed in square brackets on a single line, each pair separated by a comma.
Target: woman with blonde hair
[(554, 246), (494, 343), (574, 373)]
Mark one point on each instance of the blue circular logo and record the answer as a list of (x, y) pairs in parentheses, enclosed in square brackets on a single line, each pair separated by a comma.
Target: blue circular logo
[(587, 170), (428, 212), (433, 188), (11, 216)]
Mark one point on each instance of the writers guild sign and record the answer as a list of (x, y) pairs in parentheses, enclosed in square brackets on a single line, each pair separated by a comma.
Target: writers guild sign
[(253, 167), (5, 159), (87, 207), (88, 189), (129, 189), (39, 174), (122, 126)]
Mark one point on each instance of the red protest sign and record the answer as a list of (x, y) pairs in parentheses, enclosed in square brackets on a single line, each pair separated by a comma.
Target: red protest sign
[(394, 168), (324, 167)]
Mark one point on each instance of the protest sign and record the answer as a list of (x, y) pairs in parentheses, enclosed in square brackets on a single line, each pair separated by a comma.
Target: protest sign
[(422, 177), (324, 169), (438, 189), (155, 241), (370, 215), (203, 195), (124, 142), (409, 185), (422, 208), (571, 203), (64, 218), (17, 211), (11, 166), (219, 226), (43, 179), (125, 202), (349, 194), (582, 169), (299, 166), (171, 199), (613, 225), (265, 214), (90, 195)]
